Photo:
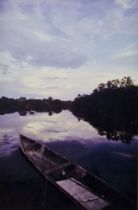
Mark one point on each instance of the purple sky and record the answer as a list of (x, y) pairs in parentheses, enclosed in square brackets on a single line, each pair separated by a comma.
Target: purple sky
[(60, 48)]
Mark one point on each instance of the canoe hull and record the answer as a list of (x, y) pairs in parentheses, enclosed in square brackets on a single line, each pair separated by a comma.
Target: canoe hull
[(86, 190)]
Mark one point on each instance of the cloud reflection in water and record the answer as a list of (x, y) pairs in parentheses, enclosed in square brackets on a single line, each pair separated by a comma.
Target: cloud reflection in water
[(61, 126), (41, 126), (8, 142)]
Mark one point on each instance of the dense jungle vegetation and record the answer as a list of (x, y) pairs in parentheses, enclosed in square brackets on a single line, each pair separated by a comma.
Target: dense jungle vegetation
[(112, 108)]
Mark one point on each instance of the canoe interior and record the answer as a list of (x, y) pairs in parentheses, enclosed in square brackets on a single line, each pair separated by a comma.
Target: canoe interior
[(72, 179)]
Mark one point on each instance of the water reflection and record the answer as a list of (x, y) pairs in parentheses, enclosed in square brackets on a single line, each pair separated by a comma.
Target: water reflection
[(61, 126), (23, 113), (41, 126), (77, 140), (47, 128), (8, 142), (113, 162), (115, 128)]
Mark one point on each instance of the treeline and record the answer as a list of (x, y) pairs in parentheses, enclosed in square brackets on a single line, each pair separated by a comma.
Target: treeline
[(23, 105), (112, 108)]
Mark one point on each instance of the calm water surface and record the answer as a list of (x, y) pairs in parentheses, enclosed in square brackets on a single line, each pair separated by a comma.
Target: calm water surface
[(113, 161)]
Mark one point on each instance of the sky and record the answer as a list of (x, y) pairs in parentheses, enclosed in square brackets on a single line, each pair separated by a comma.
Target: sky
[(62, 48)]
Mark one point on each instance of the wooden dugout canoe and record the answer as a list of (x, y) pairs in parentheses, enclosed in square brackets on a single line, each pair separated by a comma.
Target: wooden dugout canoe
[(85, 190)]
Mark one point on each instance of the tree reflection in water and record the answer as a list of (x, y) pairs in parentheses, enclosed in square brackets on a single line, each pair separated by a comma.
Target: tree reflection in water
[(112, 109), (122, 130)]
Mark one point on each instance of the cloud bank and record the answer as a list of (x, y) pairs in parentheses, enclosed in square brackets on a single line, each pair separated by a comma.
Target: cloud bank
[(81, 38)]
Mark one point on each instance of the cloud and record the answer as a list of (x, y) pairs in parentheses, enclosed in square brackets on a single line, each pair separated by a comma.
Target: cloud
[(58, 48), (31, 36), (129, 51), (10, 64), (44, 82), (127, 4), (42, 33)]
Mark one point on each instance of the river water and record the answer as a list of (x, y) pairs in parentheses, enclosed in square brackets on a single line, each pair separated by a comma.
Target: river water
[(21, 187)]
